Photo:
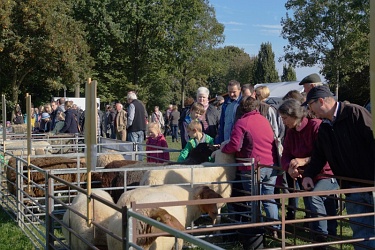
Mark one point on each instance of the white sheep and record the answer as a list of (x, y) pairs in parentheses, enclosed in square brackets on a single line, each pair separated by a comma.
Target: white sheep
[(207, 174), (104, 159), (183, 193), (170, 216), (101, 214)]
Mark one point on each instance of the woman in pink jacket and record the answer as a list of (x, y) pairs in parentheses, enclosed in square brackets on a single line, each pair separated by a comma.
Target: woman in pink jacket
[(252, 137)]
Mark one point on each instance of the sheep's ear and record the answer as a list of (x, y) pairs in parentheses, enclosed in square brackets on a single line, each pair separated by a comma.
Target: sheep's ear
[(199, 191)]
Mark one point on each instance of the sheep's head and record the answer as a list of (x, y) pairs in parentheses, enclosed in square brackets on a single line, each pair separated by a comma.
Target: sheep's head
[(204, 192), (160, 215), (201, 153), (163, 216)]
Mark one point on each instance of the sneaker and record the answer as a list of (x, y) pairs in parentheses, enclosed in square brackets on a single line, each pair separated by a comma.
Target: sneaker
[(275, 235)]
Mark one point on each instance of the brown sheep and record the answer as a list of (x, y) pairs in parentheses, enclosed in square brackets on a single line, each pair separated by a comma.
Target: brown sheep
[(116, 179), (47, 163)]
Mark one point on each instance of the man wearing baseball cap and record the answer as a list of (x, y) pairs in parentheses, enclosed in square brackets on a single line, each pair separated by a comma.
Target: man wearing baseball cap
[(346, 141), (310, 82)]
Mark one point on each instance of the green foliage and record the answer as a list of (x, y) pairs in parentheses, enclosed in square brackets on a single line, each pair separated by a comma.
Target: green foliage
[(333, 34), (229, 63), (41, 44), (265, 69), (151, 47), (289, 74)]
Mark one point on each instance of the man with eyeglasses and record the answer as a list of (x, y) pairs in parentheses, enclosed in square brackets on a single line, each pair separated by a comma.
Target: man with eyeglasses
[(346, 141)]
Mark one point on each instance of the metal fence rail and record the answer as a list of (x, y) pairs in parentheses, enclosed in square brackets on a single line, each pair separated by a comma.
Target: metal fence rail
[(40, 218)]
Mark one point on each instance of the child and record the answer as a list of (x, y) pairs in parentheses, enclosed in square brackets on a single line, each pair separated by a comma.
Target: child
[(194, 130), (196, 110), (156, 138), (45, 123)]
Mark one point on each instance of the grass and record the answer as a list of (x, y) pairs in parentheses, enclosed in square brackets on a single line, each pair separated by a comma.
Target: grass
[(11, 236), (174, 145)]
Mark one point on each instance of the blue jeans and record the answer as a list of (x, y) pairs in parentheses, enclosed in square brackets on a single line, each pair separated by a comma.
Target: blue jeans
[(174, 132), (325, 206), (267, 176), (354, 208), (137, 137)]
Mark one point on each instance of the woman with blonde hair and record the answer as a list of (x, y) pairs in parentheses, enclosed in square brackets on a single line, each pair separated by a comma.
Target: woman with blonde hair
[(261, 94)]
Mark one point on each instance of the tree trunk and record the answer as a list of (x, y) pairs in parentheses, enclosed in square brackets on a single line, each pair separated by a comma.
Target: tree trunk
[(183, 82), (14, 96)]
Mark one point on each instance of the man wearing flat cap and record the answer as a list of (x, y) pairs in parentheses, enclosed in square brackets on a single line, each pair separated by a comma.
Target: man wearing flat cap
[(310, 82), (346, 141)]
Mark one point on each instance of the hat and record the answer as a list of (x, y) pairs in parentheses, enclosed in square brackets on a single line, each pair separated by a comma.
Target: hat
[(45, 115), (219, 98), (313, 78), (316, 93)]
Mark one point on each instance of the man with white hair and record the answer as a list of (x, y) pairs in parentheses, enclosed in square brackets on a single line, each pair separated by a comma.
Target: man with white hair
[(310, 81), (137, 116), (120, 122)]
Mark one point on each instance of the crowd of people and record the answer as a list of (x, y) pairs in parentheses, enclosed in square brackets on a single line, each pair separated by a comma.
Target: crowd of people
[(311, 135)]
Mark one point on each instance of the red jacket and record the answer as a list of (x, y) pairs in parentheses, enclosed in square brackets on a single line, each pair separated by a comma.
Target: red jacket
[(252, 137), (300, 144), (160, 142)]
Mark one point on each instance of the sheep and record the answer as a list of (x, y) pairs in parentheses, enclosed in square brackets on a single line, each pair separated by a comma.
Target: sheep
[(201, 153), (183, 193), (101, 214), (162, 215), (208, 173), (104, 159), (47, 163), (116, 179)]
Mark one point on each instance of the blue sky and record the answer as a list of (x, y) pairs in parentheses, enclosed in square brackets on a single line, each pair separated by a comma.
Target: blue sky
[(249, 23)]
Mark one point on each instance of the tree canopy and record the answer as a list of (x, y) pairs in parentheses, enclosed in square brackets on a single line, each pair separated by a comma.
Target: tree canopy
[(289, 74), (265, 69), (164, 50), (335, 35), (42, 48)]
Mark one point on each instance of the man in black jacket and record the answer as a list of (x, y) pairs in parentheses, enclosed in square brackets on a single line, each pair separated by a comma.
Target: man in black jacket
[(346, 141)]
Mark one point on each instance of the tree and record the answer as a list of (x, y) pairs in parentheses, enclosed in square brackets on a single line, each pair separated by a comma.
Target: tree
[(265, 68), (289, 74), (104, 37), (146, 45), (333, 34), (229, 63), (41, 45), (198, 31)]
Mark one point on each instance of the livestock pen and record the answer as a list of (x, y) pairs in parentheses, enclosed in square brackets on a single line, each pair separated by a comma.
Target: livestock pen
[(41, 217)]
